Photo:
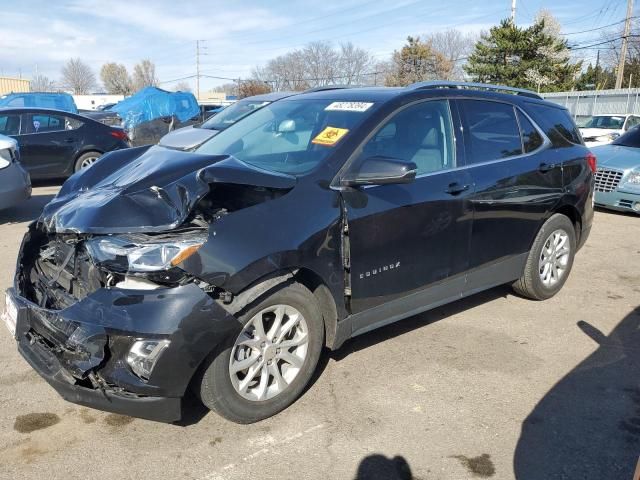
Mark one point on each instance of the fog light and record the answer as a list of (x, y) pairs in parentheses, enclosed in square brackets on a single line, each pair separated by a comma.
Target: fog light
[(636, 207), (143, 356)]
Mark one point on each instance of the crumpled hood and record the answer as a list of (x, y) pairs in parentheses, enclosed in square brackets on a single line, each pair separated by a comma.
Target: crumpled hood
[(146, 189), (617, 156)]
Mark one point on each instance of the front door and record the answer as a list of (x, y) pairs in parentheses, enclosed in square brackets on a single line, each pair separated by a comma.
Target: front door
[(407, 238)]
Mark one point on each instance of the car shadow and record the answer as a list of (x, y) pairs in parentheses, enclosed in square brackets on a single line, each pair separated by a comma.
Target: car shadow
[(25, 211), (588, 425)]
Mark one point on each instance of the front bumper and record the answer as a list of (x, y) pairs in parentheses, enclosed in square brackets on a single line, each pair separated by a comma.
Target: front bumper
[(81, 350), (619, 200)]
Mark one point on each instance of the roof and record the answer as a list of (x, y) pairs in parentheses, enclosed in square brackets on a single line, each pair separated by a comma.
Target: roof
[(269, 97)]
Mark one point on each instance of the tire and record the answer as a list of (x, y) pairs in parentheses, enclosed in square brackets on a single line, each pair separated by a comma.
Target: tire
[(538, 281), (220, 390), (86, 160)]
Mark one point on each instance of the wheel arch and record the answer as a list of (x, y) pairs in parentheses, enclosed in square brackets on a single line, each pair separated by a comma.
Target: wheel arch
[(573, 214)]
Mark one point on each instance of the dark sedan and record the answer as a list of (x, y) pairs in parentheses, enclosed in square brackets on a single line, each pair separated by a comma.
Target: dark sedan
[(55, 144)]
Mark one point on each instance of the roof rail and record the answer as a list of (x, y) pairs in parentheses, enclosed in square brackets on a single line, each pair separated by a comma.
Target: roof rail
[(479, 86), (329, 87)]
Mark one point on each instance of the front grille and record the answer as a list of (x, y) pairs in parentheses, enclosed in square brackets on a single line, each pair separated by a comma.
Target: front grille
[(607, 180), (625, 203)]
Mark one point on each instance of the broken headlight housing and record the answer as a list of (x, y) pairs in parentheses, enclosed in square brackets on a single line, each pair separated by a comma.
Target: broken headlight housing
[(143, 356), (129, 254)]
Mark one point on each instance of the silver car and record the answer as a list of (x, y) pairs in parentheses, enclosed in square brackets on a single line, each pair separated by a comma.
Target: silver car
[(618, 173), (15, 184)]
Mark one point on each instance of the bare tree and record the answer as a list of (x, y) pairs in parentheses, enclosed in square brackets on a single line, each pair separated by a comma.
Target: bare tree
[(317, 64), (355, 65), (144, 75), (116, 79), (78, 77), (227, 88), (40, 83), (182, 87), (455, 46)]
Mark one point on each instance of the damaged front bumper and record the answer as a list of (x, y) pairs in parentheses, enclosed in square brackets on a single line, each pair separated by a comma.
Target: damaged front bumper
[(81, 350)]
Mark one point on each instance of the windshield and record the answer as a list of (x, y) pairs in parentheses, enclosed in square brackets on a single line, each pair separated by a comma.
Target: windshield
[(605, 121), (629, 139), (232, 114), (291, 136)]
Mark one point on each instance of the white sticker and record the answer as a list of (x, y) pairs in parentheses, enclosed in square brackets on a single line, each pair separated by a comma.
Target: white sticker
[(349, 106)]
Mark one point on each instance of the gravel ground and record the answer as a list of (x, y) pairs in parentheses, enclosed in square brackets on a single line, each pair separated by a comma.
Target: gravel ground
[(493, 386)]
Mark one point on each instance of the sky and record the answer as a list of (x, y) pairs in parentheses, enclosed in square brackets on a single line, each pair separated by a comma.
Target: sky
[(37, 37)]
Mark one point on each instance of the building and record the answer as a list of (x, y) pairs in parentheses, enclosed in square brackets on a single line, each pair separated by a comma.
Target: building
[(11, 85), (95, 100)]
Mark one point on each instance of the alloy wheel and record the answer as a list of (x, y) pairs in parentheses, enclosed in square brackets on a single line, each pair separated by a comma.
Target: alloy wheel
[(554, 258), (269, 352)]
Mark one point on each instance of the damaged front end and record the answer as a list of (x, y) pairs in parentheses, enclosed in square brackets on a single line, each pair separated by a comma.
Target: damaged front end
[(105, 313)]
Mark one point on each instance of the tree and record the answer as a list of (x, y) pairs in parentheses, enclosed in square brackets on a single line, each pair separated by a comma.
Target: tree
[(317, 64), (455, 46), (78, 77), (182, 87), (227, 88), (596, 78), (40, 83), (247, 88), (144, 75), (415, 62), (535, 57), (116, 79)]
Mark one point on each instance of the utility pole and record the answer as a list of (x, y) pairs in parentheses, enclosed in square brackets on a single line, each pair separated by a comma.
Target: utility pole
[(198, 70), (513, 11), (625, 40), (597, 69)]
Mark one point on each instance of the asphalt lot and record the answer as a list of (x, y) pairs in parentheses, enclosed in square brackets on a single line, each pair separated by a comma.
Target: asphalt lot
[(494, 386)]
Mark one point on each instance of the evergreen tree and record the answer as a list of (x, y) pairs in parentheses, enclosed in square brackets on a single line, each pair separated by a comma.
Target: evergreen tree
[(535, 57)]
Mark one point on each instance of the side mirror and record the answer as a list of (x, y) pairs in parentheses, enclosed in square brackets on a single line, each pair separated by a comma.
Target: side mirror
[(381, 170), (287, 126)]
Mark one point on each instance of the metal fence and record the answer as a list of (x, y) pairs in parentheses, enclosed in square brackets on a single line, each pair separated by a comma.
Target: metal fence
[(593, 102)]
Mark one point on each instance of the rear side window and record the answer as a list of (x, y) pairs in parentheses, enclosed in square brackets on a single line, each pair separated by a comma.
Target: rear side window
[(491, 131), (531, 138), (556, 123), (9, 124), (42, 123)]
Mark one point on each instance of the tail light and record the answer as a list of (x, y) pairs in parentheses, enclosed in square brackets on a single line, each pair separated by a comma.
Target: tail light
[(592, 161), (119, 134)]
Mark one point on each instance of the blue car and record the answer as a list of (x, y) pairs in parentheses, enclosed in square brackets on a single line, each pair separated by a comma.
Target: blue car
[(618, 174)]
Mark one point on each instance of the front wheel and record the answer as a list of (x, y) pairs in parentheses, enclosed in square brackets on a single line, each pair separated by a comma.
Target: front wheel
[(265, 367), (549, 261)]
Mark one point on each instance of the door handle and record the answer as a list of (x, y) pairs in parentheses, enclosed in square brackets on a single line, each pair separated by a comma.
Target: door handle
[(545, 167), (69, 140), (456, 188)]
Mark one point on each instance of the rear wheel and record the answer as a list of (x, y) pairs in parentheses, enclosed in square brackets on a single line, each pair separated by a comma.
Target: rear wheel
[(549, 261), (265, 367), (86, 160)]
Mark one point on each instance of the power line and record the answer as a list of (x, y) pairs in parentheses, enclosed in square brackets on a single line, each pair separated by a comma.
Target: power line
[(598, 28)]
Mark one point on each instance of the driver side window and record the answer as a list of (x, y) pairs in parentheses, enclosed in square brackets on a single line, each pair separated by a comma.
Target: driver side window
[(421, 134)]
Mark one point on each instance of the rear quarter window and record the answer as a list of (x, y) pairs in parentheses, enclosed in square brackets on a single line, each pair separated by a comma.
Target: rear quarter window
[(556, 123)]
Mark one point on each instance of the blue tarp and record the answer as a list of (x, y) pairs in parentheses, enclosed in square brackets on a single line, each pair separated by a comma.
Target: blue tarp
[(151, 103), (57, 101)]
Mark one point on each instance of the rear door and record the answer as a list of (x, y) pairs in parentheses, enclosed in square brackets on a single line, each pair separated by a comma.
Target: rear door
[(410, 238), (517, 179), (48, 143)]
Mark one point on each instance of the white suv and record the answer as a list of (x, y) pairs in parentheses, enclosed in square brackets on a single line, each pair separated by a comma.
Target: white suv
[(605, 128)]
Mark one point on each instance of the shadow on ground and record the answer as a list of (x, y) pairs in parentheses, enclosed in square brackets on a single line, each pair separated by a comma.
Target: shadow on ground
[(26, 211), (379, 467), (588, 425)]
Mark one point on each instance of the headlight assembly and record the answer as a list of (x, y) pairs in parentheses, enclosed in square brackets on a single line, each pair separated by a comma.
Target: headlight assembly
[(633, 178), (143, 356), (5, 158), (126, 254)]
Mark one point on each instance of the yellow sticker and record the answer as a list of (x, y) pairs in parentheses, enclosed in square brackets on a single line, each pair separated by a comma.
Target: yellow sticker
[(330, 136)]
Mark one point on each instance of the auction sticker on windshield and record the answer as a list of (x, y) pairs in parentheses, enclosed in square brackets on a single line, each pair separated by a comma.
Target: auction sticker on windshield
[(10, 315), (330, 136), (348, 106)]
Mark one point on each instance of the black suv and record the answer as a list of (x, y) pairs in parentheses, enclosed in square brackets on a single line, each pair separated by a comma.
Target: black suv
[(318, 218)]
